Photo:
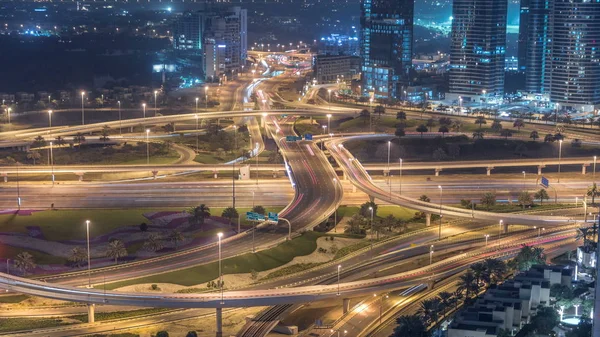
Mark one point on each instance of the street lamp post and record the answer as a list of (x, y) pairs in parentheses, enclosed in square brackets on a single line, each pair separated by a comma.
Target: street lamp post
[(256, 155), (329, 122), (400, 160), (430, 255), (197, 104), (82, 109), (339, 269), (155, 93), (196, 116), (119, 103), (559, 157), (524, 177), (144, 109), (388, 167), (371, 209), (335, 209), (500, 230), (594, 174), (8, 113), (147, 147), (329, 101), (52, 162), (486, 239), (87, 229), (441, 195), (50, 118), (206, 97), (220, 235)]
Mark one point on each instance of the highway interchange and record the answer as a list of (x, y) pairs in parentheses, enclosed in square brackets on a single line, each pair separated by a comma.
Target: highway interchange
[(310, 195)]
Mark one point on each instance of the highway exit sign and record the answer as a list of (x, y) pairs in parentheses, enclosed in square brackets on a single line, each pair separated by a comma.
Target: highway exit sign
[(545, 182)]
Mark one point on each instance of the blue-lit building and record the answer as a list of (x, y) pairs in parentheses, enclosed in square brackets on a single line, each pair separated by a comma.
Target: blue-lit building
[(534, 40), (339, 44), (478, 49), (386, 38), (572, 78)]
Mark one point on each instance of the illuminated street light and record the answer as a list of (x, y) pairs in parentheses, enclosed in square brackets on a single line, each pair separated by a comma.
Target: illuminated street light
[(50, 118), (144, 109), (82, 109), (155, 93), (220, 235), (486, 239), (147, 147), (119, 103), (441, 195), (339, 268), (52, 163), (206, 97), (87, 228), (559, 157)]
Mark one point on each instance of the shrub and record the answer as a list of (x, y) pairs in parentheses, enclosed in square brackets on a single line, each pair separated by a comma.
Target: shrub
[(154, 287), (162, 334), (143, 226)]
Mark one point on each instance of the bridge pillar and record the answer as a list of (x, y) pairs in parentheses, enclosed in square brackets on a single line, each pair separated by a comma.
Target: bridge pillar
[(215, 174), (344, 176), (437, 172), (489, 171), (219, 322), (540, 170), (5, 176), (274, 174), (154, 173), (346, 305), (583, 169), (427, 219), (91, 309), (79, 175), (430, 284), (386, 173), (505, 228)]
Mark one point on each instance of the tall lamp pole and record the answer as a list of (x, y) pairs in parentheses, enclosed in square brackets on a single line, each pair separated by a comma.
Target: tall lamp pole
[(196, 116), (144, 109), (155, 93), (441, 195), (82, 109), (559, 157), (119, 103), (400, 160), (147, 147), (220, 235), (50, 118), (329, 123), (339, 268), (206, 97), (197, 104), (8, 113), (87, 229), (52, 162), (256, 155), (594, 174)]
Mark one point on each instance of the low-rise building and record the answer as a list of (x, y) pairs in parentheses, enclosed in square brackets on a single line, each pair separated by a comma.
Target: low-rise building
[(510, 305), (333, 68)]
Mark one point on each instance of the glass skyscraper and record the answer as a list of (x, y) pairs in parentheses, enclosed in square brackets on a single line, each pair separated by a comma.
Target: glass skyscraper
[(534, 39), (573, 74), (386, 46), (478, 48)]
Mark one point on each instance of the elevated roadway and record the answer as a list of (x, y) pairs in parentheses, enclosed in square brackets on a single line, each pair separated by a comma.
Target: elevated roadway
[(356, 173)]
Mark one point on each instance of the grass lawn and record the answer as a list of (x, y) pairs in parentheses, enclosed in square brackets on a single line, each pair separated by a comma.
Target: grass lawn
[(70, 224), (261, 261), (16, 324), (105, 316), (213, 158), (13, 298), (38, 257), (506, 208), (382, 211)]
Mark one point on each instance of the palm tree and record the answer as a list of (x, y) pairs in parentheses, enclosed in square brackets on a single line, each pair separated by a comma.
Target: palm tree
[(467, 283), (79, 138), (259, 209), (410, 326), (379, 110), (593, 192), (496, 125), (477, 135), (534, 135), (77, 256), (443, 129), (401, 115), (480, 120), (424, 198), (445, 299), (549, 138), (518, 124), (38, 141), (24, 262), (59, 141), (456, 125), (153, 243), (458, 295), (479, 272), (116, 249), (524, 199), (365, 114), (422, 128), (230, 213), (33, 155), (506, 133), (488, 200), (541, 195), (104, 133), (496, 269), (176, 237), (198, 214), (429, 310)]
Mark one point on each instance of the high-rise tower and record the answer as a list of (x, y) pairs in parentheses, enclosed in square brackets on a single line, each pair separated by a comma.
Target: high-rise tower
[(478, 48), (386, 46)]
